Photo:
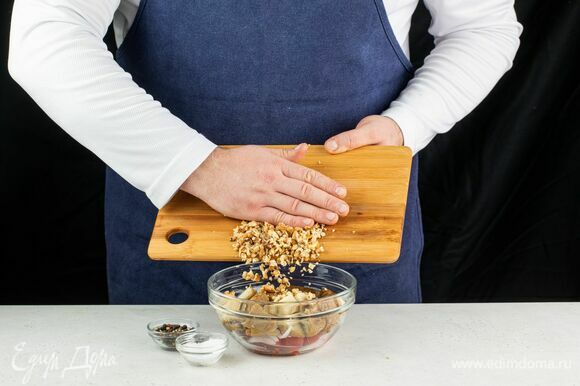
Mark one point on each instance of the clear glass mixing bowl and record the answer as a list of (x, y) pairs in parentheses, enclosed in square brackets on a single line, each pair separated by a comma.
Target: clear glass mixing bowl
[(289, 328)]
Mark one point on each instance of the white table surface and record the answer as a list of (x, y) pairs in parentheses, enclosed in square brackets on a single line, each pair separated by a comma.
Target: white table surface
[(424, 344)]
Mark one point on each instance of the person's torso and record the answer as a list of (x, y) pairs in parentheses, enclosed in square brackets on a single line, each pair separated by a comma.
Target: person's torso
[(398, 11), (260, 72), (266, 72)]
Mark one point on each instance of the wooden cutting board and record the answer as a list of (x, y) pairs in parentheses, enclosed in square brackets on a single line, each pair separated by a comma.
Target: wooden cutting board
[(377, 180)]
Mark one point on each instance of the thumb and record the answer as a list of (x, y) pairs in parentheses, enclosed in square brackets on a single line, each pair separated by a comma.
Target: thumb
[(293, 155), (352, 139)]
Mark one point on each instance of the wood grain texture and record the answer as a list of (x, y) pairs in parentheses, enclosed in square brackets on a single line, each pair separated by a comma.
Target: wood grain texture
[(377, 179)]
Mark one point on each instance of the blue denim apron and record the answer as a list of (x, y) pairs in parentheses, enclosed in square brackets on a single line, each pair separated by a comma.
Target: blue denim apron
[(256, 72)]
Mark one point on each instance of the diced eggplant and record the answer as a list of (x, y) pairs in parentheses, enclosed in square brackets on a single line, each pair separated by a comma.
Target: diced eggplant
[(260, 297), (329, 304), (281, 309), (312, 326), (261, 327), (247, 293), (295, 327), (231, 304)]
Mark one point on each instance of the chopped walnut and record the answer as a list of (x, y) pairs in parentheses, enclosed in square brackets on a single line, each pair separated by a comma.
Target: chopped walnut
[(279, 248)]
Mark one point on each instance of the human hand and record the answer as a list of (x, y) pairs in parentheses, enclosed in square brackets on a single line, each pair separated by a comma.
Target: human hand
[(371, 130), (256, 183)]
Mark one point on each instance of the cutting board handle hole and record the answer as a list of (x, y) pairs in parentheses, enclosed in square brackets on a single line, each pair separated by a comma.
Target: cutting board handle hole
[(177, 236)]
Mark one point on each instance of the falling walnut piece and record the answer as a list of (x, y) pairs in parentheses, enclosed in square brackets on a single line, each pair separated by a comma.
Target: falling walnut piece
[(279, 248)]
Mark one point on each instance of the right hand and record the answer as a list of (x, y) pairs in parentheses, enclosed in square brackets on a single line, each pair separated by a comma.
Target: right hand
[(256, 183)]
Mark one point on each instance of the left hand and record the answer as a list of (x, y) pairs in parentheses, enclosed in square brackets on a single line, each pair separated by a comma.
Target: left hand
[(371, 130)]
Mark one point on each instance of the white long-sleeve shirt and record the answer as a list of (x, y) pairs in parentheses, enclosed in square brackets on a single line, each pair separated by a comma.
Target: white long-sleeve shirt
[(58, 56)]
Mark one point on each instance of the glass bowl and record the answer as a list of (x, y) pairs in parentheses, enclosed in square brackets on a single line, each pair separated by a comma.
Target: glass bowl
[(202, 348), (167, 339), (288, 328)]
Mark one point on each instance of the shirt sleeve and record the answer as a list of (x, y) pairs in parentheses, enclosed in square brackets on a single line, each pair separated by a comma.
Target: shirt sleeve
[(58, 56), (475, 44)]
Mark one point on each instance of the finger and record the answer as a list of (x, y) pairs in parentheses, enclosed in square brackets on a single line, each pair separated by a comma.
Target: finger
[(276, 216), (352, 139), (300, 208), (313, 177), (294, 154), (311, 194)]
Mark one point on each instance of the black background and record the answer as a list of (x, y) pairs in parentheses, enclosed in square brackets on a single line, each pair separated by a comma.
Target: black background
[(500, 193)]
